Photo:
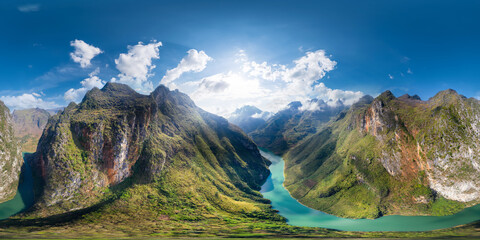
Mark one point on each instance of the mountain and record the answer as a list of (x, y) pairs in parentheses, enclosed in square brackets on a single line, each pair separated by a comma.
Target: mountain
[(11, 160), (249, 118), (289, 126), (28, 125), (146, 156), (392, 155)]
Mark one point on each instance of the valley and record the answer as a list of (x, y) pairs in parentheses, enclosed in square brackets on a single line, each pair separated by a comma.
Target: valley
[(120, 157)]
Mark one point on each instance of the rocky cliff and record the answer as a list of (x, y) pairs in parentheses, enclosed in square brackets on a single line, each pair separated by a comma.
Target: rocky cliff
[(10, 156), (392, 156), (28, 125), (119, 139)]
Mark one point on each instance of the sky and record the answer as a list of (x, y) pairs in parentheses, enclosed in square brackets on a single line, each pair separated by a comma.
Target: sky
[(226, 54)]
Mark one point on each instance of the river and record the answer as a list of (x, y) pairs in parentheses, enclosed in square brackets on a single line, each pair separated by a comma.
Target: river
[(24, 197), (300, 215)]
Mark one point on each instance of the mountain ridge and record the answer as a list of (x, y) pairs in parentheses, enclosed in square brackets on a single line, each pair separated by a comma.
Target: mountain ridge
[(389, 154), (116, 135)]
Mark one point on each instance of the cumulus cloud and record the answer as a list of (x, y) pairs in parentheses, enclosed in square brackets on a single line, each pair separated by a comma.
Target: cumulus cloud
[(83, 53), (29, 8), (334, 95), (195, 61), (27, 100), (269, 86), (264, 70), (136, 66), (76, 95)]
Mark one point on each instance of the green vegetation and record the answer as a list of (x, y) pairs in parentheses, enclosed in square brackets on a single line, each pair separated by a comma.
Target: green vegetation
[(288, 127), (10, 156), (379, 157)]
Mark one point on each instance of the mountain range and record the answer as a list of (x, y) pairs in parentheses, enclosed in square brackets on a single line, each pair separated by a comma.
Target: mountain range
[(121, 158), (391, 155), (145, 147), (289, 126)]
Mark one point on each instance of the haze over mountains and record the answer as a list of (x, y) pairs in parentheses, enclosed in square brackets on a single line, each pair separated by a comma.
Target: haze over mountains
[(282, 130), (119, 152)]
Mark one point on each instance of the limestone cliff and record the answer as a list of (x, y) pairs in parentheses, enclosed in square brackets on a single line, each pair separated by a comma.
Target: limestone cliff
[(116, 134), (392, 156), (10, 156)]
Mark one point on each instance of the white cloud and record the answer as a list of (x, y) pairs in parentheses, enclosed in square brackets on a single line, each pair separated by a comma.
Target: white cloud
[(27, 100), (195, 61), (268, 86), (264, 71), (135, 66), (409, 71), (332, 96), (311, 67), (76, 95), (390, 76), (29, 8), (83, 53)]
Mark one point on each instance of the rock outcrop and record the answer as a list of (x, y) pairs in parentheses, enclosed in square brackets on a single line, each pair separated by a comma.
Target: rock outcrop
[(10, 156), (392, 155), (116, 134)]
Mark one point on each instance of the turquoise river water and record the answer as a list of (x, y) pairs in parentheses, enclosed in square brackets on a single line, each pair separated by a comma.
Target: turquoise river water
[(300, 215), (296, 213), (24, 197)]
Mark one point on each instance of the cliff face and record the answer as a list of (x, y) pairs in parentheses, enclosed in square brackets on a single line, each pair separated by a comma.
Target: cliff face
[(289, 126), (392, 156), (10, 156), (28, 125), (116, 134)]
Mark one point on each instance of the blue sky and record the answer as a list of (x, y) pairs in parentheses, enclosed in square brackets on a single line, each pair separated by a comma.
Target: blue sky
[(325, 49)]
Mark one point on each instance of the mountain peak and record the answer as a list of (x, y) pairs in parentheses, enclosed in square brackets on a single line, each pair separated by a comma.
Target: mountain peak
[(414, 97), (295, 105), (445, 96), (117, 87), (112, 95), (386, 96)]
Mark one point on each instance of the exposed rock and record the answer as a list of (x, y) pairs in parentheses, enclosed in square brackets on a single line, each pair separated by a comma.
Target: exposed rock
[(10, 156), (116, 133), (410, 153)]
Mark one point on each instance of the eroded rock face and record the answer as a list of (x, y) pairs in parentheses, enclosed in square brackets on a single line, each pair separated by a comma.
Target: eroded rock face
[(447, 141), (116, 133), (400, 155), (10, 156), (92, 146)]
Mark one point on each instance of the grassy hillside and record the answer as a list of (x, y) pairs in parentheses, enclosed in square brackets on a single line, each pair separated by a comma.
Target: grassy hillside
[(122, 157), (390, 156)]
